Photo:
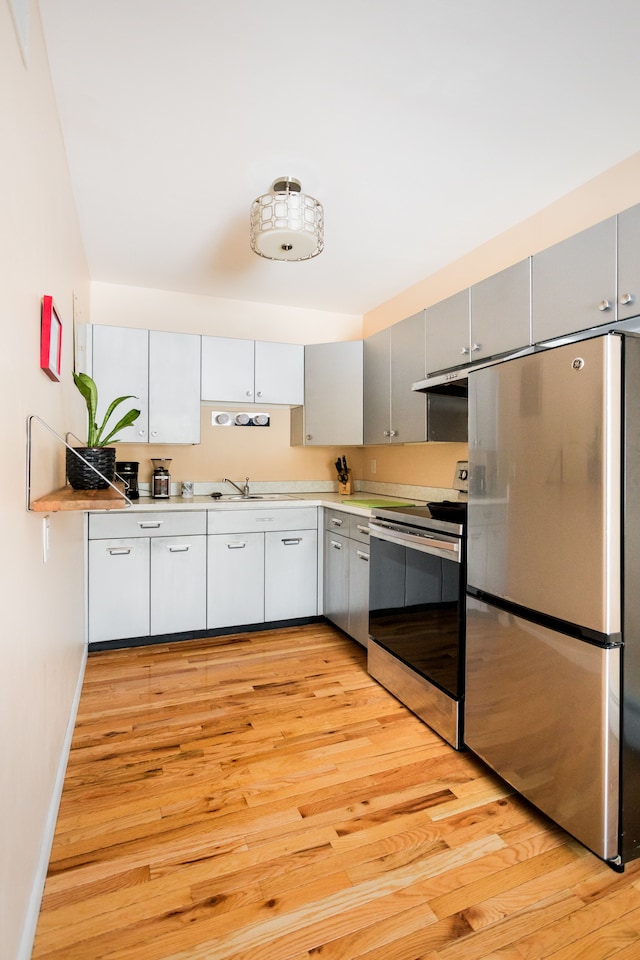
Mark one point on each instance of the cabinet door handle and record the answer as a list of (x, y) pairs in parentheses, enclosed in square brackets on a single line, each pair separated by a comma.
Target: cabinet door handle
[(249, 393), (464, 351), (476, 346), (179, 549), (118, 551), (393, 433), (626, 298), (336, 522), (236, 546), (335, 544), (362, 529), (604, 305), (363, 556), (149, 524), (291, 541)]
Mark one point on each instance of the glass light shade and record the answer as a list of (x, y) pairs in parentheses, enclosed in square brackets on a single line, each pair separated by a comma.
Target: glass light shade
[(287, 224)]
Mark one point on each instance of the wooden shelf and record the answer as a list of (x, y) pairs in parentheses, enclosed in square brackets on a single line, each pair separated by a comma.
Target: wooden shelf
[(66, 498)]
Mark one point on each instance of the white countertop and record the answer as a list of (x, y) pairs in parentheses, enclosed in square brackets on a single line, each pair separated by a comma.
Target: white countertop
[(335, 500)]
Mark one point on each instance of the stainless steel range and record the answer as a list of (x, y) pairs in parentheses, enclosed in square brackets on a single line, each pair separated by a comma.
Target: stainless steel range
[(417, 611)]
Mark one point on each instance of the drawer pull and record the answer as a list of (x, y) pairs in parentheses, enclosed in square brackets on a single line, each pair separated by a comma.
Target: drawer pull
[(362, 556), (236, 546), (179, 549), (335, 544), (118, 551), (361, 528), (336, 522), (149, 525), (291, 541), (265, 519)]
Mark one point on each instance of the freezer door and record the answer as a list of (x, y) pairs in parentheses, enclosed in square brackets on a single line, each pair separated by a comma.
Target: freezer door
[(545, 479), (542, 709)]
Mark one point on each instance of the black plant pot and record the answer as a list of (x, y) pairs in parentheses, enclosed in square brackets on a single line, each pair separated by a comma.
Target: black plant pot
[(80, 474)]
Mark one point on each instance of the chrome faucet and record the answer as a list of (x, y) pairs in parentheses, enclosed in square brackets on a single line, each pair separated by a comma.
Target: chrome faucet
[(244, 490)]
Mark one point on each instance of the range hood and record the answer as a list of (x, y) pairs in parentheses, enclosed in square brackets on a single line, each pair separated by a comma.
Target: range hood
[(453, 383)]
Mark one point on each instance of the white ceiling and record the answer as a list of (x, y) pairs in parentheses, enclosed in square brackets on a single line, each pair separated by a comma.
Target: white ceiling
[(425, 127)]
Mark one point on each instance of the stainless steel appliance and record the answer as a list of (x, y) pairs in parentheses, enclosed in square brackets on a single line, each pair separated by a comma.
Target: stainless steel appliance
[(160, 478), (417, 611), (553, 606)]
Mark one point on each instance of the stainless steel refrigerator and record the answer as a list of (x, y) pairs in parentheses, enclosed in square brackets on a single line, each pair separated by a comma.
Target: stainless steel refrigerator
[(553, 595)]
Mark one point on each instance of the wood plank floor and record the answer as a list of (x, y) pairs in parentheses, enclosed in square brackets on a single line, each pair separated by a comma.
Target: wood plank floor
[(259, 797)]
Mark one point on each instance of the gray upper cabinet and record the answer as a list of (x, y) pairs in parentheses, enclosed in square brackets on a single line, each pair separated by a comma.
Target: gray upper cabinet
[(118, 360), (279, 372), (394, 358), (448, 333), (501, 312), (174, 387), (227, 369), (574, 283), (629, 263), (252, 371), (162, 370), (332, 412)]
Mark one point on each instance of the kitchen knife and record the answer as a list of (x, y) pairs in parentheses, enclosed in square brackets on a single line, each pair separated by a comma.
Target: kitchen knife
[(345, 469)]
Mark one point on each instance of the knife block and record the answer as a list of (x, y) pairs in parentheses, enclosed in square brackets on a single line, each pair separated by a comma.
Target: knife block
[(346, 488)]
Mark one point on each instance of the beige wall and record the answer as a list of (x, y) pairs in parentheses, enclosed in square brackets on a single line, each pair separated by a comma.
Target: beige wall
[(41, 627), (613, 191), (605, 195)]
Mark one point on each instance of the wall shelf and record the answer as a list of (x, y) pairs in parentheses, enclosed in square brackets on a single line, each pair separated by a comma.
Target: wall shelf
[(66, 498), (112, 497)]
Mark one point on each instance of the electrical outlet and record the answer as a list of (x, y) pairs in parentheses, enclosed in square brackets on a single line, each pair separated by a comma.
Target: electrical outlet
[(374, 465), (46, 527)]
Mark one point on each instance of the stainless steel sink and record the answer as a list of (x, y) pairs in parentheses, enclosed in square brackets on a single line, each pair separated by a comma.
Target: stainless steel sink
[(256, 496)]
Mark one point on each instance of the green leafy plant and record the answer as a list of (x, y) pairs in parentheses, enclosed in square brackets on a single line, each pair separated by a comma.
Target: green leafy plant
[(96, 434)]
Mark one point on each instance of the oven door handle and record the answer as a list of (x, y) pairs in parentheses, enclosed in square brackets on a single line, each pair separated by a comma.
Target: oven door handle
[(451, 548)]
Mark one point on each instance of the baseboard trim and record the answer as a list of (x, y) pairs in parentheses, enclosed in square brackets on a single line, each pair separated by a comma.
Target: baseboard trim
[(25, 947), (200, 634)]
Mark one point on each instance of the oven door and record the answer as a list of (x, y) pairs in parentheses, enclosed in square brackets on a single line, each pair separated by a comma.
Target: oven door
[(416, 601)]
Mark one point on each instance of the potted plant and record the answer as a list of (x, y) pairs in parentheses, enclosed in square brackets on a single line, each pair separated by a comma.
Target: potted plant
[(96, 452)]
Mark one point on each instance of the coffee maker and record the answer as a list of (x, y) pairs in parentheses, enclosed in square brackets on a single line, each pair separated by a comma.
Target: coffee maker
[(160, 479), (127, 471)]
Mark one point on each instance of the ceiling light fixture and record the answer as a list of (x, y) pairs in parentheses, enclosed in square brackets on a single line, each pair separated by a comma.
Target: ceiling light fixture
[(287, 224)]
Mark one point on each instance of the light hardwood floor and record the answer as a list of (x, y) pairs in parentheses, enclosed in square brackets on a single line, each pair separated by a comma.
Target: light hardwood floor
[(259, 797)]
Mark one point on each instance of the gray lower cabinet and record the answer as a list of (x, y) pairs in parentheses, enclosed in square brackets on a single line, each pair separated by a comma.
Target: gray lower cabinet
[(235, 579), (346, 573), (574, 283), (336, 579), (263, 565), (146, 574)]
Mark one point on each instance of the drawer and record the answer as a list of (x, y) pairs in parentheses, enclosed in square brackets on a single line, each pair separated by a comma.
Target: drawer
[(112, 526), (359, 528), (336, 520), (263, 518)]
